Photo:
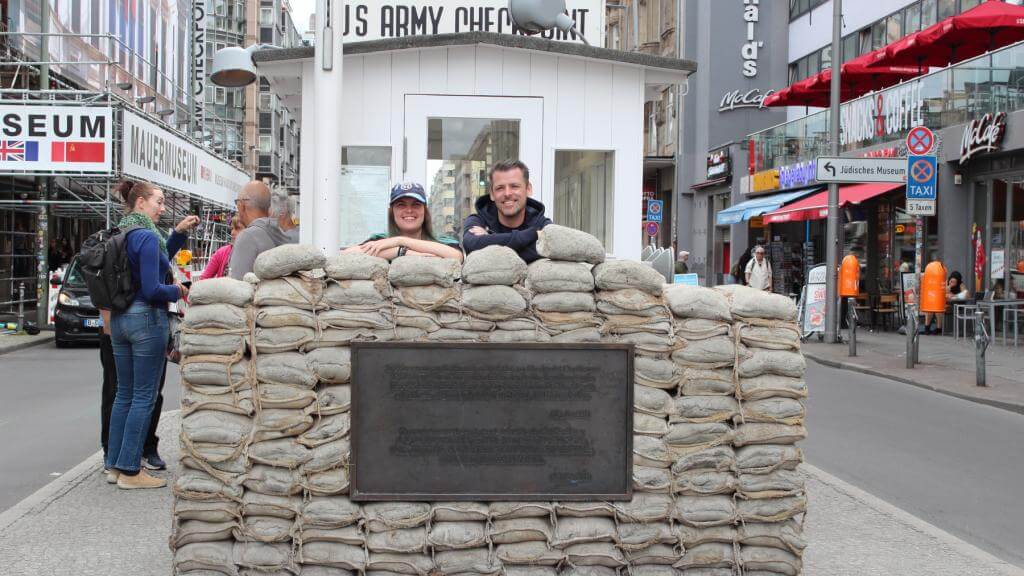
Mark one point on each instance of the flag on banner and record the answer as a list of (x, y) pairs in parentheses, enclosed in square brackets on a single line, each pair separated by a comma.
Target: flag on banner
[(19, 151), (77, 151)]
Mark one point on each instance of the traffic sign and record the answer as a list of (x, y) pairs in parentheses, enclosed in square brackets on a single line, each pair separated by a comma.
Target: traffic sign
[(923, 171), (920, 140), (836, 169), (652, 228), (920, 207), (654, 210)]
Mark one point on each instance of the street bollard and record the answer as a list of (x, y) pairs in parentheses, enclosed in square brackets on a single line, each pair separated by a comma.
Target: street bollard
[(911, 335), (851, 320), (981, 342), (21, 306)]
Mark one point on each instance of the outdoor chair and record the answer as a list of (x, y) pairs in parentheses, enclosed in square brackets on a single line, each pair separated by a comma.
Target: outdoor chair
[(886, 309)]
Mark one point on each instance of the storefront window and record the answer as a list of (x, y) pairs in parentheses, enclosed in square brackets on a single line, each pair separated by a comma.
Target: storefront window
[(460, 152), (584, 191)]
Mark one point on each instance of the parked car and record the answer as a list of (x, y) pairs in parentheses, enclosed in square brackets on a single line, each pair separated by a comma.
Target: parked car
[(75, 318)]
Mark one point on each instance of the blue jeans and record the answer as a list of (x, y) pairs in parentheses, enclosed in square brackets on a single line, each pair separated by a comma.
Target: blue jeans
[(139, 336)]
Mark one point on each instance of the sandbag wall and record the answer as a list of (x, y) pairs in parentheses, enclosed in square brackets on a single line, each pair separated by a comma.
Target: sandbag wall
[(266, 376)]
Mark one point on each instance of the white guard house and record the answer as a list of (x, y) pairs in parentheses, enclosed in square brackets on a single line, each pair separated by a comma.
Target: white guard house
[(441, 109)]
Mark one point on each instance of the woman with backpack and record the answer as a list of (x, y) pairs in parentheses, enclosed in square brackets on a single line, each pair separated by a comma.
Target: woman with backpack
[(140, 333)]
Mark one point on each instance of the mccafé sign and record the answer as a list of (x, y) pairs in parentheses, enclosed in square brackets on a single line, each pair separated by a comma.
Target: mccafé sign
[(764, 180), (984, 134)]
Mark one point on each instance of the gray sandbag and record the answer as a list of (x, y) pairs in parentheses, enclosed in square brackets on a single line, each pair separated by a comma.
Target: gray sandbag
[(691, 536), (656, 372), (281, 453), (327, 429), (780, 337), (419, 271), (493, 302), (712, 555), (704, 482), (629, 324), (579, 335), (595, 554), (772, 485), (622, 274), (430, 298), (773, 410), (264, 557), (459, 512), (214, 427), (413, 318), (312, 570), (189, 531), (385, 564), (333, 400), (267, 529), (518, 336), (191, 344), (770, 560), (356, 266), (332, 365), (238, 403), (659, 570), (511, 510), (356, 294), (531, 553), (584, 509), (272, 396), (207, 511), (544, 276), (280, 316), (374, 319), (701, 511), (280, 423), (215, 374), (719, 458), (328, 483), (328, 456), (285, 368), (787, 535), (383, 516), (305, 293), (658, 554), (331, 512), (493, 265), (766, 458), (761, 433), (457, 321), (630, 301), (221, 291), (647, 479), (590, 571), (705, 409), (256, 504), (700, 328), (457, 535), (772, 385), (649, 425), (705, 382), (529, 570), (275, 481), (690, 437), (697, 302), (333, 554), (273, 340), (286, 260), (747, 302), (563, 243), (476, 561), (649, 451), (637, 536), (515, 530), (197, 485), (652, 401), (216, 557), (225, 317), (646, 343), (564, 302), (400, 541), (346, 535), (771, 509), (644, 507), (708, 353)]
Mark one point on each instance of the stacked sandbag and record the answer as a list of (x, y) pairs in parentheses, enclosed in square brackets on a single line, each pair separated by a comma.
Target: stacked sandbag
[(494, 300), (426, 303), (717, 397), (217, 408)]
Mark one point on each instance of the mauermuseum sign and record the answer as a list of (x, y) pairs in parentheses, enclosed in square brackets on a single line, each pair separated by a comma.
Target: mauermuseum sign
[(491, 422)]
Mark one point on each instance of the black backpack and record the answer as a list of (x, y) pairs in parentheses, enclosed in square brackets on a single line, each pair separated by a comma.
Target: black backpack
[(107, 272)]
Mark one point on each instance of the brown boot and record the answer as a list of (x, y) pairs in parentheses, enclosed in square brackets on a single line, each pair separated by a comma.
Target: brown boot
[(139, 481)]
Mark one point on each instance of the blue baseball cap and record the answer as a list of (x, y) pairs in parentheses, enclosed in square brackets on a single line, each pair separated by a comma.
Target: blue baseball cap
[(408, 190)]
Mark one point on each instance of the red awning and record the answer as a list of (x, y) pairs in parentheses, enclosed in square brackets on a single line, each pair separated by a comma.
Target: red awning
[(816, 207), (988, 26)]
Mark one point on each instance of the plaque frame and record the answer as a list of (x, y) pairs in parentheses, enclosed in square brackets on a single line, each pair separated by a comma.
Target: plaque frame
[(357, 495)]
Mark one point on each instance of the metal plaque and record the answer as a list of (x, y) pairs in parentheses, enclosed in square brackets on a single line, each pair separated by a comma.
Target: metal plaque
[(446, 421)]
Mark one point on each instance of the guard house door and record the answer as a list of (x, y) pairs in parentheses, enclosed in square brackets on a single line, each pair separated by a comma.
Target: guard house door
[(451, 142)]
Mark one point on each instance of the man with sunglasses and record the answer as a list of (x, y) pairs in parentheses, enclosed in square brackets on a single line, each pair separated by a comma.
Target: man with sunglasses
[(261, 232)]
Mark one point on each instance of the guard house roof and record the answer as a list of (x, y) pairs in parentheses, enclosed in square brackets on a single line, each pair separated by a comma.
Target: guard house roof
[(680, 66)]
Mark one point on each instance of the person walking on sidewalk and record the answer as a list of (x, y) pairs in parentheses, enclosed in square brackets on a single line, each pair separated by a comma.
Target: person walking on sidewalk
[(140, 333), (759, 271)]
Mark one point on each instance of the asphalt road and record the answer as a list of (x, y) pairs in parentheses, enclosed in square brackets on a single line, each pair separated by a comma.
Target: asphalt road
[(953, 463), (50, 414)]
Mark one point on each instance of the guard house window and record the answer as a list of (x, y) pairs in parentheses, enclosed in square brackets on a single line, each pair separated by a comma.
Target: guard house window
[(584, 191)]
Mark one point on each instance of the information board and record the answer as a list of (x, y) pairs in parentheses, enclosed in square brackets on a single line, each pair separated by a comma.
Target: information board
[(447, 421)]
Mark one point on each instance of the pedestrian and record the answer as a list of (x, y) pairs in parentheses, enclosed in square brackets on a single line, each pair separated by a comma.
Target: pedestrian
[(217, 267), (261, 232), (281, 212), (139, 334), (758, 272), (507, 216), (410, 231), (682, 262)]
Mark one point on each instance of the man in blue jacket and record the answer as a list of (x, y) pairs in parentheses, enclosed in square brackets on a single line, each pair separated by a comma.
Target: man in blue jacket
[(508, 216)]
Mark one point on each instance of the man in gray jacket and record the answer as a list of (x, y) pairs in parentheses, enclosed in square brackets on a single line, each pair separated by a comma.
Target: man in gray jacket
[(261, 232)]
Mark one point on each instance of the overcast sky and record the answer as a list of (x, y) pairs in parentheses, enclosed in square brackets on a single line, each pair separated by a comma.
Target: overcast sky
[(301, 9)]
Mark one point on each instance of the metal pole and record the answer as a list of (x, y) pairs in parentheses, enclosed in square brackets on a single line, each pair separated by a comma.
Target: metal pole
[(42, 255), (981, 342), (21, 306), (851, 313), (911, 328), (328, 83), (832, 247), (44, 44)]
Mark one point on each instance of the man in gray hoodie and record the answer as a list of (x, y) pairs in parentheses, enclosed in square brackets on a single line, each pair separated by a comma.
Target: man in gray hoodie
[(261, 232)]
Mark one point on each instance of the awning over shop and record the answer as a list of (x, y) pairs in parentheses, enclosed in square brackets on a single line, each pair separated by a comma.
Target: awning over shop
[(758, 206), (816, 207)]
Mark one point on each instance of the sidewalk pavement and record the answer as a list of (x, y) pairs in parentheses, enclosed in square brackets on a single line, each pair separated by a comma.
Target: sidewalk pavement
[(946, 365), (81, 526), (12, 342)]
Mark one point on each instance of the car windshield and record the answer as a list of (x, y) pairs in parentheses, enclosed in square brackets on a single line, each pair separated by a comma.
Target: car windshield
[(74, 278)]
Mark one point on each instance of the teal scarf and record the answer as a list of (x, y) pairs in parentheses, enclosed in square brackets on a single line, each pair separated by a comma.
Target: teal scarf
[(142, 221)]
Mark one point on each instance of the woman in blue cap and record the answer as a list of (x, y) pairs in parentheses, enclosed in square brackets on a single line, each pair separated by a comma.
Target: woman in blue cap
[(409, 230)]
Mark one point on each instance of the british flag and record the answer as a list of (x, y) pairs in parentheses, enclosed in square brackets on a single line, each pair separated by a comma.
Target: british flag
[(19, 151)]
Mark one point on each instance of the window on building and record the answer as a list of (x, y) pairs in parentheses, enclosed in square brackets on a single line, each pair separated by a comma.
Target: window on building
[(266, 16), (652, 14), (614, 40), (220, 96), (912, 18), (264, 102), (947, 8), (850, 48), (584, 191), (266, 143), (966, 5), (894, 27), (927, 13), (865, 41), (878, 35), (798, 8)]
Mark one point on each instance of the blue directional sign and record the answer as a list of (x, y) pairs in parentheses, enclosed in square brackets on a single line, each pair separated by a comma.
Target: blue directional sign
[(922, 172), (654, 210)]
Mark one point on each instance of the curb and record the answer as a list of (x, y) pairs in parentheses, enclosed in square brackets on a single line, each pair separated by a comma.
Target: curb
[(1008, 406), (996, 564), (42, 498), (23, 345)]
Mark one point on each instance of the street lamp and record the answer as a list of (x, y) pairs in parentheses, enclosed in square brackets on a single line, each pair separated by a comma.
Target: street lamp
[(233, 67), (124, 85), (145, 99), (165, 112)]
